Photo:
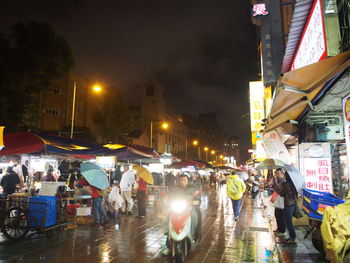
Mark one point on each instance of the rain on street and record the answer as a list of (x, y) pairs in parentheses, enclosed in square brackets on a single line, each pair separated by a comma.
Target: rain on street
[(141, 240)]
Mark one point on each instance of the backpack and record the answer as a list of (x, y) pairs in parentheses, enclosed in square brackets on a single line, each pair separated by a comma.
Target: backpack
[(103, 193)]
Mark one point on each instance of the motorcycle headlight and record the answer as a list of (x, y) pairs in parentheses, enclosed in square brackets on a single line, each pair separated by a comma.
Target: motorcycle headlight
[(178, 206)]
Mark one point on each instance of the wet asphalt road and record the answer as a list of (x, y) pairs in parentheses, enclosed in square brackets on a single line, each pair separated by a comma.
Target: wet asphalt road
[(141, 240)]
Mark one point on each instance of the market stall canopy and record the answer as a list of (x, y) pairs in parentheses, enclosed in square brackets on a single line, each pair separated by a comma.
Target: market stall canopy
[(38, 143), (187, 163), (129, 153), (299, 87), (2, 136)]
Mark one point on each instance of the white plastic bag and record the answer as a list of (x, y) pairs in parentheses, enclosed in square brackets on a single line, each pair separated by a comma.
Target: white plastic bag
[(115, 197), (279, 202)]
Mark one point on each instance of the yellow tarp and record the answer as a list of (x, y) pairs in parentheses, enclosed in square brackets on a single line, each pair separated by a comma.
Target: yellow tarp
[(335, 231), (303, 84)]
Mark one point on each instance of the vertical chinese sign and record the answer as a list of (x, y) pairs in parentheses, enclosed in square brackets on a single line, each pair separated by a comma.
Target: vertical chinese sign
[(257, 109), (346, 112), (315, 165)]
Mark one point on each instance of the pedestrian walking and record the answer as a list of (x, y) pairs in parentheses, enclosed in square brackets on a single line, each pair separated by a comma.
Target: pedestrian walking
[(289, 193), (126, 182), (98, 206), (141, 196), (235, 190)]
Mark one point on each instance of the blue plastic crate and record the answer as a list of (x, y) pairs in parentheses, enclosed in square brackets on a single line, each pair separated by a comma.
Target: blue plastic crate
[(42, 211), (315, 202)]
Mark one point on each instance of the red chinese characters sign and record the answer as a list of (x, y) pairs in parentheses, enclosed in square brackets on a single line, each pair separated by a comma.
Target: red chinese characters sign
[(318, 174), (315, 165)]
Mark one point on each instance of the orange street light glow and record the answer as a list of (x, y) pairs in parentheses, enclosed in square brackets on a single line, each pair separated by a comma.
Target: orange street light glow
[(195, 142), (165, 125), (97, 88)]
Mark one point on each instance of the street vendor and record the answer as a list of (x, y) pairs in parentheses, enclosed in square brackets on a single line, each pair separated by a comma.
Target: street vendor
[(9, 181)]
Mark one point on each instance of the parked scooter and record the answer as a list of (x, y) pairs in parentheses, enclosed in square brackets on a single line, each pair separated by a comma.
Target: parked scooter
[(253, 184), (181, 229)]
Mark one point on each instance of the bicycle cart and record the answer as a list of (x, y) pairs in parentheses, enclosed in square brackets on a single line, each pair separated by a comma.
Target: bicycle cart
[(20, 215)]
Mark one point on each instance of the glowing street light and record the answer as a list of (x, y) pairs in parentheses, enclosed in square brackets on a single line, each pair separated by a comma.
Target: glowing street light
[(195, 142), (96, 88), (164, 125), (206, 149)]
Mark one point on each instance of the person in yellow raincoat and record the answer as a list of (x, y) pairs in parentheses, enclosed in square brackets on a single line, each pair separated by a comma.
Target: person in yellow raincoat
[(235, 190), (335, 229)]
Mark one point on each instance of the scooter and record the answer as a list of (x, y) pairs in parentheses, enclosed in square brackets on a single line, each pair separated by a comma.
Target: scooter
[(181, 229)]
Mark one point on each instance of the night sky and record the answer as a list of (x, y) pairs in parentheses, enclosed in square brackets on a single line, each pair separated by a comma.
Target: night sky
[(204, 52)]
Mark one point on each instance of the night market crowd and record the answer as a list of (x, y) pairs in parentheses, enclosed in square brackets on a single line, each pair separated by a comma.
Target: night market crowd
[(127, 188)]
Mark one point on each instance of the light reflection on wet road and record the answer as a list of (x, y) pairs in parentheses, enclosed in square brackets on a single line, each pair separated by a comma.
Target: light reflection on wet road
[(141, 240)]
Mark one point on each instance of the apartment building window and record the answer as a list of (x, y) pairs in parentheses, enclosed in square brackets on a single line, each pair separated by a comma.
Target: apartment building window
[(150, 90), (54, 90), (52, 112)]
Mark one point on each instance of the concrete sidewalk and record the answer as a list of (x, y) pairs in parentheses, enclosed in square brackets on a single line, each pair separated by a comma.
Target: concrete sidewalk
[(304, 252)]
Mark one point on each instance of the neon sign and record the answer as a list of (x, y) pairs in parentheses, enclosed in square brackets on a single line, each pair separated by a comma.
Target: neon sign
[(259, 9)]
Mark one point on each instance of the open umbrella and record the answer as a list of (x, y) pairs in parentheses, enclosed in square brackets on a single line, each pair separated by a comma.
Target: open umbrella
[(297, 178), (94, 175), (269, 164), (143, 173)]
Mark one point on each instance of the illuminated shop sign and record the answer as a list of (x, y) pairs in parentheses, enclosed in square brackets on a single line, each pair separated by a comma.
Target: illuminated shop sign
[(315, 165), (257, 110), (312, 45), (259, 10)]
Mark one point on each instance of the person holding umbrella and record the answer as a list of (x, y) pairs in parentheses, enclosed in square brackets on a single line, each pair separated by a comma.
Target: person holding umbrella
[(144, 177), (288, 191), (141, 196), (98, 183)]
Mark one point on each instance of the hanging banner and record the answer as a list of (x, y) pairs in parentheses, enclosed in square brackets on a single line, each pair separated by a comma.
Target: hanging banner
[(346, 114), (315, 165), (275, 148)]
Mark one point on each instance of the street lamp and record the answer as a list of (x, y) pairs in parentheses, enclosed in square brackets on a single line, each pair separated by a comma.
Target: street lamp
[(206, 149), (196, 143), (96, 88), (164, 126), (222, 157)]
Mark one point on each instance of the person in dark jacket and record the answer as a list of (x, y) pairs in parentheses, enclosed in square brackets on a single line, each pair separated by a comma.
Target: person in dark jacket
[(9, 181), (277, 182), (288, 191)]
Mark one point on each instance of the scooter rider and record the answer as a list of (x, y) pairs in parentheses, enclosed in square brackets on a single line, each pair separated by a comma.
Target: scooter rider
[(186, 189)]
